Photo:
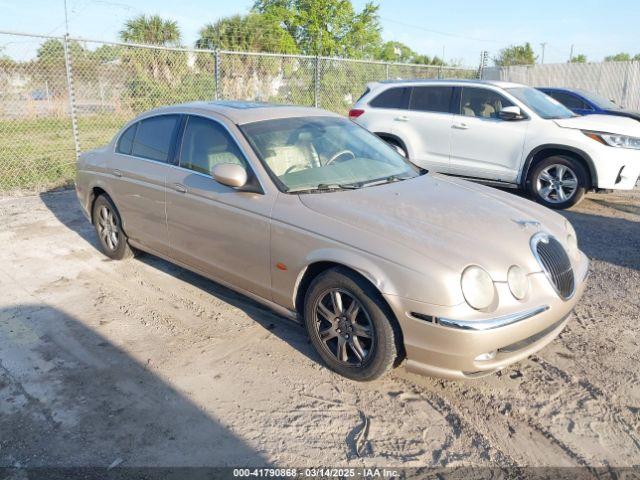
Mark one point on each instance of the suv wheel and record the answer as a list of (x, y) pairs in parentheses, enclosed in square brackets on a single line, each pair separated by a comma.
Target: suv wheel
[(397, 147), (350, 327), (558, 182)]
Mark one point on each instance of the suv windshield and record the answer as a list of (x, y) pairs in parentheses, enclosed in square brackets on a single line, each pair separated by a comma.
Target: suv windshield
[(315, 154), (542, 104), (599, 101)]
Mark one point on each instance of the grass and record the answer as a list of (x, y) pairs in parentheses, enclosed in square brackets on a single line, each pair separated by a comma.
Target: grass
[(39, 154)]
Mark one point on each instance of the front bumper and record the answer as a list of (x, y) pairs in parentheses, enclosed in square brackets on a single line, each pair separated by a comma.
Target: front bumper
[(616, 168), (438, 346)]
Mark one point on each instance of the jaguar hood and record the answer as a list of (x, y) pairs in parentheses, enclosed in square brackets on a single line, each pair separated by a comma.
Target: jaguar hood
[(448, 221)]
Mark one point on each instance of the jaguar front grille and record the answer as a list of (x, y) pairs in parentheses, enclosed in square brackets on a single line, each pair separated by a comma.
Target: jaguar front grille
[(555, 263)]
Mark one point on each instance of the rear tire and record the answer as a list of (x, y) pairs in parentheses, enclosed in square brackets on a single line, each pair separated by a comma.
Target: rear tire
[(108, 224), (558, 182), (350, 326)]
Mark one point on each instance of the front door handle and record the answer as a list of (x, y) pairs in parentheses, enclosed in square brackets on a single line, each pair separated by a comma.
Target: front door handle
[(460, 126), (402, 118), (117, 173), (178, 187)]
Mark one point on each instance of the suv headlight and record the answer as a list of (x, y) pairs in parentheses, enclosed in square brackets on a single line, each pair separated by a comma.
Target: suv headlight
[(518, 282), (477, 287), (614, 140)]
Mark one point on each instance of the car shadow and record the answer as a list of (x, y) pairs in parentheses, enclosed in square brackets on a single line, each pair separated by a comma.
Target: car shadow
[(609, 239), (66, 209), (69, 398)]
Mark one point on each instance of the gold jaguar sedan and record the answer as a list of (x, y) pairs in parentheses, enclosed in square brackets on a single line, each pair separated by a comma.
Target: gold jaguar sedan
[(313, 216)]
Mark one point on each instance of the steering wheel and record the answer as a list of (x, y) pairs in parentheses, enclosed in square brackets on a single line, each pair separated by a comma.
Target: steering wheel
[(297, 166), (340, 154)]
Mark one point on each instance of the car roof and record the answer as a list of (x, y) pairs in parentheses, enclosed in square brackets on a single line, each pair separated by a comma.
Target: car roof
[(451, 81), (241, 112)]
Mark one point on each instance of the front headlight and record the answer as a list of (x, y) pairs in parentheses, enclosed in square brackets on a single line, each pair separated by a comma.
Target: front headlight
[(477, 287), (518, 282), (614, 140)]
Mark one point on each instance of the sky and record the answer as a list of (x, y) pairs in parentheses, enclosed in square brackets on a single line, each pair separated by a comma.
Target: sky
[(462, 29)]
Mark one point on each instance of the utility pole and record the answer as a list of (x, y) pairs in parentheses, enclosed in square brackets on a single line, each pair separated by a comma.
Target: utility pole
[(571, 53), (544, 45), (66, 19)]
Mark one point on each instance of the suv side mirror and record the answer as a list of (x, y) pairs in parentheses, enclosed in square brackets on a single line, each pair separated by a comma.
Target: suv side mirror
[(230, 174), (511, 113)]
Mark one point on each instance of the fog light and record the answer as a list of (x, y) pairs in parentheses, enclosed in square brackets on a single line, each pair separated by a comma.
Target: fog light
[(483, 357)]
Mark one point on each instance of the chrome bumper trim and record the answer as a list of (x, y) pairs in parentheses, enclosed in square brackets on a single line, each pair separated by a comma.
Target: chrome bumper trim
[(491, 323)]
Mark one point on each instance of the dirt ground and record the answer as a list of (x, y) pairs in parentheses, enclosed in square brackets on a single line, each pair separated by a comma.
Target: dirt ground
[(142, 363)]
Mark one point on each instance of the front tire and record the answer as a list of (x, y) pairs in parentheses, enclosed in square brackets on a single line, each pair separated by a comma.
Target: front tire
[(106, 220), (558, 182), (350, 326)]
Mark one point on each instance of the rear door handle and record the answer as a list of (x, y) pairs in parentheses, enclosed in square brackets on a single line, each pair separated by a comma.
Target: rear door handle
[(117, 173), (402, 118), (178, 187), (460, 126)]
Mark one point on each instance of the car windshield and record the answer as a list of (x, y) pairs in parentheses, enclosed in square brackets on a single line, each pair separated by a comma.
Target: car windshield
[(317, 154), (542, 104), (599, 101)]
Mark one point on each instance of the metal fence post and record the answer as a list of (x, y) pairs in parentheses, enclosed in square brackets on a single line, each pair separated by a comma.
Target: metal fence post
[(387, 70), (216, 73), (72, 95), (316, 85)]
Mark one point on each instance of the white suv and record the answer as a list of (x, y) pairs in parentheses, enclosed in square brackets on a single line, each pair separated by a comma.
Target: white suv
[(503, 133)]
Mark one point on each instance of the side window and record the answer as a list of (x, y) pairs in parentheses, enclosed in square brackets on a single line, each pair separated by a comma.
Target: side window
[(154, 137), (570, 101), (431, 99), (125, 142), (392, 98), (206, 144), (482, 102)]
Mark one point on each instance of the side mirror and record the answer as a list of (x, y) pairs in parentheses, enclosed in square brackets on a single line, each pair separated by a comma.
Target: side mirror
[(230, 174), (511, 113)]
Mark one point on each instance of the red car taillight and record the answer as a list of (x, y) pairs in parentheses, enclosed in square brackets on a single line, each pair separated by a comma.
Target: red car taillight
[(355, 113)]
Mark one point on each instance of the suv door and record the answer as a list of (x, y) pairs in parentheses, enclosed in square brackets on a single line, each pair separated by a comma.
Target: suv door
[(426, 126), (215, 229), (482, 144), (139, 167)]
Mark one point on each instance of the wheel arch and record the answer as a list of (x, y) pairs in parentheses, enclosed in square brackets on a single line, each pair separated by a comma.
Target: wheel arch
[(95, 191), (316, 268), (544, 151), (390, 136)]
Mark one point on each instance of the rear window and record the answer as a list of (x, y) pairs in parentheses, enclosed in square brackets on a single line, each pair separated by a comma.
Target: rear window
[(392, 98), (155, 137), (431, 99)]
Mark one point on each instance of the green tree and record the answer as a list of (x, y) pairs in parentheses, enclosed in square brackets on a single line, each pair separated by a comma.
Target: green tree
[(516, 55), (327, 27), (250, 33), (636, 58), (396, 52), (153, 30), (157, 65), (618, 57), (580, 58)]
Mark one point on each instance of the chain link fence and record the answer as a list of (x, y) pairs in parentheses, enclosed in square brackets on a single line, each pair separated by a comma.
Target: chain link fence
[(66, 95), (617, 81)]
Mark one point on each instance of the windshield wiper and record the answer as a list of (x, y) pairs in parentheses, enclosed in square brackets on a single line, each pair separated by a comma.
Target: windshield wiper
[(380, 181), (328, 187)]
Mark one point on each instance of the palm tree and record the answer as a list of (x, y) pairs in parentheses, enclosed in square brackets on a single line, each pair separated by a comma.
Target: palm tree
[(153, 30)]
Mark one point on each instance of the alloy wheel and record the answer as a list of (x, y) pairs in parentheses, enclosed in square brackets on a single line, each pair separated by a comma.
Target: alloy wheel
[(108, 228), (557, 183), (344, 327)]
